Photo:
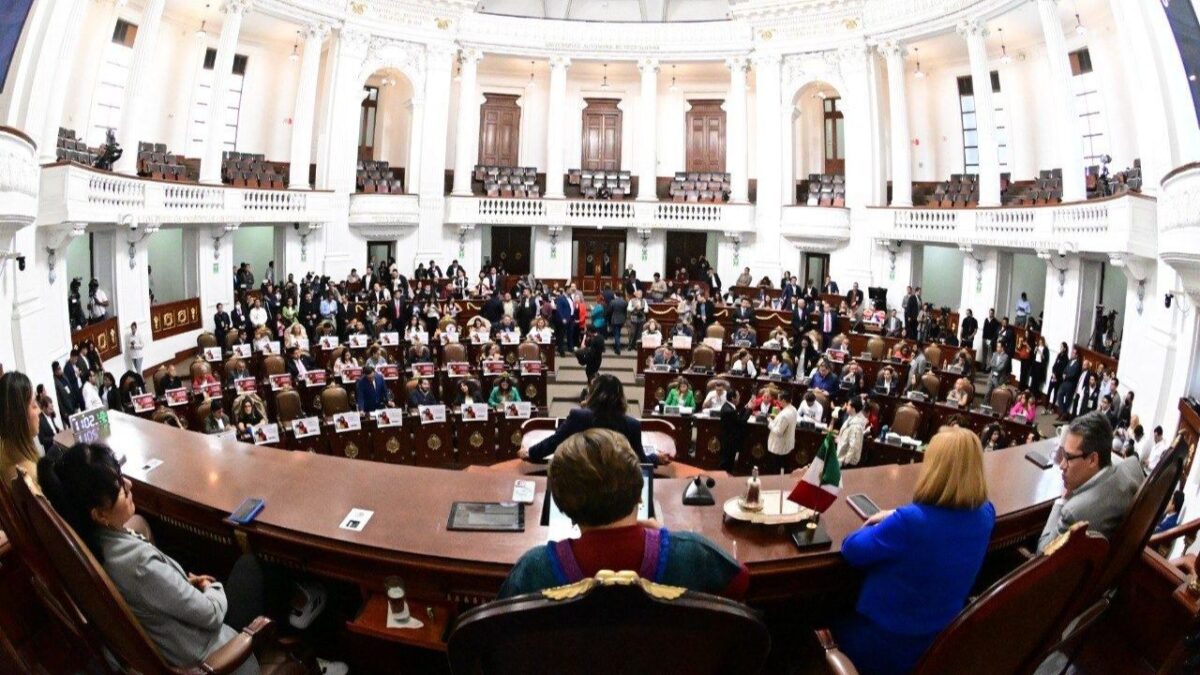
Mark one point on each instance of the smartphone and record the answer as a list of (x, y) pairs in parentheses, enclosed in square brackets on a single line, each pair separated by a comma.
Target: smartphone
[(248, 511), (862, 505), (1039, 458)]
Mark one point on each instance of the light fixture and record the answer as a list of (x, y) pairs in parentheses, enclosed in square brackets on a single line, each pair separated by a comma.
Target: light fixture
[(295, 55), (531, 82), (1004, 57), (604, 82), (200, 32), (1080, 29), (822, 95), (457, 71), (919, 74), (673, 87)]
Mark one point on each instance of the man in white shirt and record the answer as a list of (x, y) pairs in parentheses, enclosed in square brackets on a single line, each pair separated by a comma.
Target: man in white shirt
[(97, 301), (850, 438), (1157, 450), (258, 315), (782, 439), (811, 409), (91, 395)]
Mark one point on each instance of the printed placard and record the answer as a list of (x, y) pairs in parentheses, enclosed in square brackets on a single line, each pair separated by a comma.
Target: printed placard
[(350, 374), (518, 410), (542, 338), (423, 369), (176, 397), (474, 412), (359, 341), (242, 351), (652, 341), (450, 338), (272, 348), (356, 520), (329, 342), (681, 341), (531, 367), (301, 342), (418, 337), (458, 368), (494, 367), (478, 338), (509, 338), (432, 414), (280, 381), (306, 426), (315, 377), (389, 417), (212, 354), (389, 338), (714, 342), (347, 421), (245, 385), (390, 371), (265, 433), (212, 389)]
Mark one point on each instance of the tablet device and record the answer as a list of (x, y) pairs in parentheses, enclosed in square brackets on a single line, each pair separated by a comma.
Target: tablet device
[(487, 517), (553, 517)]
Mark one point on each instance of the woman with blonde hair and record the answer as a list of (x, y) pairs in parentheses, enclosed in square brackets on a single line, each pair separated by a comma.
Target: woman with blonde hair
[(919, 561)]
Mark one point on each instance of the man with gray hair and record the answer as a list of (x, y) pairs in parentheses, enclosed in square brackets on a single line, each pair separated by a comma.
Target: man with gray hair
[(1094, 489)]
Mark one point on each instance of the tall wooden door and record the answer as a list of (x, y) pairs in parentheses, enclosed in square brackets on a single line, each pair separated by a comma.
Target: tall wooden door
[(684, 249), (510, 245), (706, 137), (599, 258), (499, 130), (601, 135)]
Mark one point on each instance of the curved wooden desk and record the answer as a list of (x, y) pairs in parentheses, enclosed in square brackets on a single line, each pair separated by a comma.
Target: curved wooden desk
[(203, 479)]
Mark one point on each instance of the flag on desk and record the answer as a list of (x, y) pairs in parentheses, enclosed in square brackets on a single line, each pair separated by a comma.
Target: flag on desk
[(819, 487)]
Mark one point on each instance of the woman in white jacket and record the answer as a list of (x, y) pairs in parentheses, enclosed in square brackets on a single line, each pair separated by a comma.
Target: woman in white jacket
[(782, 439)]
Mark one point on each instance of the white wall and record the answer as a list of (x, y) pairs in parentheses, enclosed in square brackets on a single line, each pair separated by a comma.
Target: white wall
[(941, 277), (168, 263), (255, 244), (1028, 277)]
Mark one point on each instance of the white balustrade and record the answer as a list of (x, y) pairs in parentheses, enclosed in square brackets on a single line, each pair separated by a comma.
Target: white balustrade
[(1179, 226), (19, 179)]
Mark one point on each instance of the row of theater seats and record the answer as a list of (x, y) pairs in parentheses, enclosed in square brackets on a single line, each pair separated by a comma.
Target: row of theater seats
[(377, 177), (601, 184), (155, 161), (243, 169), (692, 186), (1047, 189), (72, 149), (826, 189), (961, 191), (508, 181)]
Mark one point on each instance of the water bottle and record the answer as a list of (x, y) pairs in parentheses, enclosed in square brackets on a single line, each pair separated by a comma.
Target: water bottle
[(883, 433)]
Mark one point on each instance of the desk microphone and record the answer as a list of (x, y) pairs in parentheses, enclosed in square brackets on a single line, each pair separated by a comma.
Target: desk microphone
[(697, 492)]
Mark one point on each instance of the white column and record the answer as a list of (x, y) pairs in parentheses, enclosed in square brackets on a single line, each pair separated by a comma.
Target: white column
[(431, 236), (975, 34), (1070, 143), (737, 136), (214, 129), (416, 120), (466, 144), (54, 94), (647, 132), (554, 130), (898, 110), (768, 201), (136, 87), (305, 109)]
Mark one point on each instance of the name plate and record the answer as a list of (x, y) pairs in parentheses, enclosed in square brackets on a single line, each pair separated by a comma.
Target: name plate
[(359, 341), (518, 410), (242, 351), (306, 426), (681, 342), (389, 417), (716, 344), (509, 338), (212, 354), (418, 337), (265, 433), (280, 381), (652, 341), (474, 412), (329, 342), (389, 339), (176, 397), (347, 421), (532, 367), (431, 414)]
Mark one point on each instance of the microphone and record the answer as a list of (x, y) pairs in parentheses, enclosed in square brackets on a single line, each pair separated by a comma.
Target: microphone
[(697, 492)]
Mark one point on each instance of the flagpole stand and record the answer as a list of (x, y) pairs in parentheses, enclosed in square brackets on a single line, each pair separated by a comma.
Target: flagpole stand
[(811, 534)]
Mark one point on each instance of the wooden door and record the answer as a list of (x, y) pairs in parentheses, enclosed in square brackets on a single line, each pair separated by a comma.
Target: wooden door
[(706, 137), (601, 135), (600, 258), (510, 245), (685, 248), (499, 130)]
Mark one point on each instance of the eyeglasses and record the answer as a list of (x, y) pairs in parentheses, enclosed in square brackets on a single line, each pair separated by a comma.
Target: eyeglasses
[(1061, 456)]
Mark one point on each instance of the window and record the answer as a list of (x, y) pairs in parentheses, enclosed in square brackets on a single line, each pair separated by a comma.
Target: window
[(1089, 106), (366, 123), (970, 123), (233, 104), (110, 85), (835, 136)]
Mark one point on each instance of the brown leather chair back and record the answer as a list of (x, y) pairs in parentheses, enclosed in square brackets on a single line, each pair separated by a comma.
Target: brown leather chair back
[(529, 351), (326, 327), (659, 425), (931, 384), (715, 331), (231, 337), (274, 365), (334, 399), (1002, 399), (159, 375), (712, 384), (199, 369), (202, 411), (703, 358), (877, 347), (933, 355), (907, 420), (822, 397), (206, 339), (1004, 629), (579, 624), (444, 321), (164, 415), (454, 352), (288, 406)]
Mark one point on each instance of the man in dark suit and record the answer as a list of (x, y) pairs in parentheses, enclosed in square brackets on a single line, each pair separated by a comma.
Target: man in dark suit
[(801, 321), (493, 309), (705, 313), (1070, 381), (422, 394), (48, 424), (298, 364), (991, 329), (397, 312), (617, 310), (74, 371), (830, 286), (239, 319), (912, 308), (828, 324), (893, 327), (527, 309), (1007, 337), (744, 314), (567, 328), (371, 392), (854, 296), (221, 323), (968, 328), (811, 291), (714, 282), (62, 391)]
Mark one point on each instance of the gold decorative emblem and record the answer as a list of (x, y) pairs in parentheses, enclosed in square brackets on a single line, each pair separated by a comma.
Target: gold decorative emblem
[(351, 450), (168, 320), (181, 316), (531, 391), (659, 393), (758, 451), (476, 440), (511, 358), (358, 6), (316, 402), (393, 445), (516, 438), (518, 255), (569, 591), (850, 23), (611, 578), (766, 34), (442, 24), (714, 446), (434, 443)]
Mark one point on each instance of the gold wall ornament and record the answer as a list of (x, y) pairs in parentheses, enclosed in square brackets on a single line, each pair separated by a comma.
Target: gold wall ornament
[(351, 450), (850, 23), (766, 34), (358, 6), (511, 358), (758, 451), (476, 440), (516, 438), (442, 24), (714, 446), (434, 443), (531, 391), (392, 445)]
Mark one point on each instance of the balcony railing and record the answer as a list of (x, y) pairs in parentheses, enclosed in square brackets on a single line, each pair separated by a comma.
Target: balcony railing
[(384, 210), (599, 213), (18, 178), (1179, 225), (77, 193), (815, 227), (1123, 224)]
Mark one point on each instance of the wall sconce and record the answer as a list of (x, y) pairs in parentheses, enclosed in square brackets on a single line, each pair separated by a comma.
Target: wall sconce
[(218, 233), (305, 229), (1057, 260), (463, 229), (892, 248), (736, 239), (135, 233), (644, 233), (554, 232), (58, 239)]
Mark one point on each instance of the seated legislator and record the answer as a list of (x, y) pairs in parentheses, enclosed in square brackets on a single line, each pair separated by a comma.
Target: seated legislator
[(666, 357), (422, 394), (298, 364), (201, 378), (776, 367), (681, 394), (217, 421), (187, 616), (744, 337), (605, 408), (248, 417), (503, 392), (596, 480), (960, 396), (467, 393), (236, 371), (371, 392), (886, 383), (1095, 489), (824, 378), (810, 408), (919, 561), (743, 364), (765, 404)]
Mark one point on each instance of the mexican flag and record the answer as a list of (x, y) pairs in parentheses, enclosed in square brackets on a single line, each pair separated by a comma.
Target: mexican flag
[(821, 483)]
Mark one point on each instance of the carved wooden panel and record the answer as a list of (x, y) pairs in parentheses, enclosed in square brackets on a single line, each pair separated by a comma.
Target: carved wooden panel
[(601, 135), (512, 247), (104, 336), (706, 137), (173, 318)]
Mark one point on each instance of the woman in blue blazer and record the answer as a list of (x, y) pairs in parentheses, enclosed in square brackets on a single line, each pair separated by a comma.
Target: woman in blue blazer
[(920, 560)]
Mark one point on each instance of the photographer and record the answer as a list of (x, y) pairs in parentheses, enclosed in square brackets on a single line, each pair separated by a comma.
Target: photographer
[(75, 306)]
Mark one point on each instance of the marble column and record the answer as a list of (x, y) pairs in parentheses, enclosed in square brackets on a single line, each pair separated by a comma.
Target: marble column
[(1070, 142), (647, 132), (306, 105), (136, 86), (901, 148), (975, 33), (737, 136), (554, 126), (53, 96), (466, 142), (214, 129), (412, 170)]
